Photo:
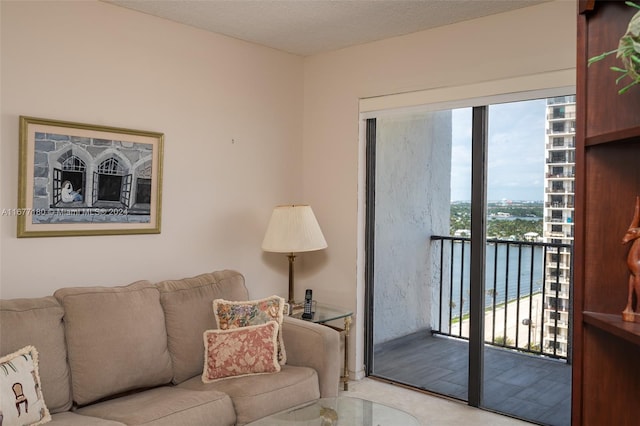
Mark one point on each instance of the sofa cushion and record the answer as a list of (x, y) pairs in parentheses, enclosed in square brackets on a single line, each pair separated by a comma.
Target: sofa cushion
[(258, 396), (38, 322), (167, 406), (21, 401), (69, 418), (116, 339), (188, 313), (233, 314), (241, 351)]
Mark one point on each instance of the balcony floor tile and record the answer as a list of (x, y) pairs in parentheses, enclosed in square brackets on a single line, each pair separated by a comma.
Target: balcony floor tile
[(530, 387)]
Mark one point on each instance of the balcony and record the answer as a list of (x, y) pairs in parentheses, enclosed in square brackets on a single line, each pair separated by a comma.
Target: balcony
[(571, 175), (534, 388), (526, 368), (519, 278), (559, 100), (562, 116), (565, 131), (558, 250), (559, 191), (560, 161), (559, 220), (558, 205), (558, 235), (568, 143)]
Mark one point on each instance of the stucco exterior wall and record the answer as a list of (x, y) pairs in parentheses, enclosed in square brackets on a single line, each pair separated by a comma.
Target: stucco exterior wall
[(413, 173)]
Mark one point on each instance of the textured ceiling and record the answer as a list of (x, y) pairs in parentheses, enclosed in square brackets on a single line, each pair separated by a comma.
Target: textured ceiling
[(306, 27)]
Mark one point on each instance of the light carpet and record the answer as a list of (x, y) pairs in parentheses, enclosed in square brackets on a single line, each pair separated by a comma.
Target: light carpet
[(429, 410)]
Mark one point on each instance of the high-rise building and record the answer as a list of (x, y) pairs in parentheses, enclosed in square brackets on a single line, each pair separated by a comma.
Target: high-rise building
[(558, 221)]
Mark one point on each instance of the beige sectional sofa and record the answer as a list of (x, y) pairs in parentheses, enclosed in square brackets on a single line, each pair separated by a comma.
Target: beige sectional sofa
[(134, 355)]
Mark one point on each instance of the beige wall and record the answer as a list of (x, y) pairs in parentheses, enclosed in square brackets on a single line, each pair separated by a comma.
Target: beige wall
[(97, 63), (101, 64), (525, 42)]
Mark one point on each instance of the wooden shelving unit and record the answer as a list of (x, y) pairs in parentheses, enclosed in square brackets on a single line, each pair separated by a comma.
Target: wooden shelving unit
[(606, 350), (614, 325)]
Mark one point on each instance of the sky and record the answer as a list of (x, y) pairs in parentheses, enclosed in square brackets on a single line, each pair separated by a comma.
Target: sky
[(516, 155)]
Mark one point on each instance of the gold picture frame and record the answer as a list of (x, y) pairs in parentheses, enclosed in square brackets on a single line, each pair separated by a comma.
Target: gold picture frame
[(83, 179)]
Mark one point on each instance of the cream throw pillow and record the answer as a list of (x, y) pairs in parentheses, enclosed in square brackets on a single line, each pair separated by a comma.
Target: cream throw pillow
[(21, 401)]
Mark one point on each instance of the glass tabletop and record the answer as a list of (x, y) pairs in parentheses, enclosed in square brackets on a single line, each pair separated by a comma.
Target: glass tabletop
[(340, 411), (322, 313)]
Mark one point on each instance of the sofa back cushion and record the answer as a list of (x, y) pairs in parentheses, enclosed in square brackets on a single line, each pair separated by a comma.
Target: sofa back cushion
[(188, 309), (116, 339), (38, 322)]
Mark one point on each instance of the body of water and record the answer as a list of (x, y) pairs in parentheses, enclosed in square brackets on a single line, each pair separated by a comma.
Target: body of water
[(511, 270)]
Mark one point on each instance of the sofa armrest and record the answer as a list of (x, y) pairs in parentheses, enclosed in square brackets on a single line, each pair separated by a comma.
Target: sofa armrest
[(316, 346)]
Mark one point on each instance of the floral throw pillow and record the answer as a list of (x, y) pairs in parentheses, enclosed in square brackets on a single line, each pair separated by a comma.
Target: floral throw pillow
[(231, 314), (21, 401), (240, 351)]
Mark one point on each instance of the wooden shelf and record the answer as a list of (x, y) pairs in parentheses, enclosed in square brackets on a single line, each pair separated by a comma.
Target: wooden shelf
[(613, 324), (606, 350), (615, 136)]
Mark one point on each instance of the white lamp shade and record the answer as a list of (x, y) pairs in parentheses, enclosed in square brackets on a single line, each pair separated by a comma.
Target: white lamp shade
[(293, 229)]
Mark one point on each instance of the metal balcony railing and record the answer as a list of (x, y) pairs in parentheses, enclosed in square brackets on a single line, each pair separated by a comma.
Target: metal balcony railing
[(569, 175), (561, 116), (524, 293), (561, 100), (558, 205)]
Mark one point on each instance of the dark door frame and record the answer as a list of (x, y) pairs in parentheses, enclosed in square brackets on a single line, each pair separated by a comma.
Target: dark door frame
[(479, 144)]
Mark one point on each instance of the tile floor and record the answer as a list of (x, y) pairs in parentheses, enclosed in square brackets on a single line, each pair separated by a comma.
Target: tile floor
[(530, 387), (429, 410)]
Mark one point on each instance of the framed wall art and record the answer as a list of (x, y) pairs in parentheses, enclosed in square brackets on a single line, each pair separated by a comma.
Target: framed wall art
[(82, 179)]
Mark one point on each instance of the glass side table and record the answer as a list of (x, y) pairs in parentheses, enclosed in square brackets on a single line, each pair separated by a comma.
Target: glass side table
[(323, 315)]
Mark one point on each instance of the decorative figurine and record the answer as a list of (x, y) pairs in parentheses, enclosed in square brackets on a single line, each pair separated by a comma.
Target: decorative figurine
[(633, 262)]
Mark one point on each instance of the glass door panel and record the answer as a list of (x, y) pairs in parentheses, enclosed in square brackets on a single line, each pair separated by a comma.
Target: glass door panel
[(525, 374), (515, 357), (420, 273)]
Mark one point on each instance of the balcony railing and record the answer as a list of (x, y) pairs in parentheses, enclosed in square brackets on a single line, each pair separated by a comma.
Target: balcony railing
[(561, 116), (563, 220), (524, 295), (559, 190), (566, 130), (557, 205), (561, 100), (561, 175), (561, 161)]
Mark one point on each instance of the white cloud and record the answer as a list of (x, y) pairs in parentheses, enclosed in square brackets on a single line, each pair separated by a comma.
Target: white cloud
[(515, 154)]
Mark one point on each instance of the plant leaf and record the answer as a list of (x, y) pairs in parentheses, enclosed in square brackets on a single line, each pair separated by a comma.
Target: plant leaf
[(600, 57), (628, 52), (634, 25), (624, 89)]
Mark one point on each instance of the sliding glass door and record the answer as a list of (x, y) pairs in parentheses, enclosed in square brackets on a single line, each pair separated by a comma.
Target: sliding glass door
[(468, 254), (416, 157)]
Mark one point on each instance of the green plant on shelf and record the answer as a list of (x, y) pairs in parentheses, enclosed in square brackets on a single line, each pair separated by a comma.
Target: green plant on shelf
[(628, 51)]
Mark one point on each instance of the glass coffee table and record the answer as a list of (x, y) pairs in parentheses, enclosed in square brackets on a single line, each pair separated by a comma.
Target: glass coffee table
[(342, 411)]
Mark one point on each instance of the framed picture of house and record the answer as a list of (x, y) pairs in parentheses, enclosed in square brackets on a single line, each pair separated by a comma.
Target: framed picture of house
[(82, 179)]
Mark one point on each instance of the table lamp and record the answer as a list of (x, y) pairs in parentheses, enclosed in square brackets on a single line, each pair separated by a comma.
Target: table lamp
[(293, 229)]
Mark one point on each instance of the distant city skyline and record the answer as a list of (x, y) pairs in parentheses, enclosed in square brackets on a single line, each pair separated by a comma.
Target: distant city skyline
[(516, 155)]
